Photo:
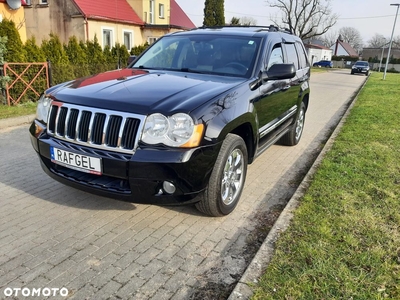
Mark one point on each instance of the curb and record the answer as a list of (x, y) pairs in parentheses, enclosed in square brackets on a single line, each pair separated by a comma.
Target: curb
[(11, 122), (245, 286)]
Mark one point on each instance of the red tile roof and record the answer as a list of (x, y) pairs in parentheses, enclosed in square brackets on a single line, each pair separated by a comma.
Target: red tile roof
[(111, 10), (178, 17)]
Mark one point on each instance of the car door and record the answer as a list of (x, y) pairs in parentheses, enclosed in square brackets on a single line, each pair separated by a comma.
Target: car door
[(277, 101)]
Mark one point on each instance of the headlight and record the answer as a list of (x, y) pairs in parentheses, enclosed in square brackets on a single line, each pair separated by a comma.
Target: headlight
[(178, 130), (43, 108)]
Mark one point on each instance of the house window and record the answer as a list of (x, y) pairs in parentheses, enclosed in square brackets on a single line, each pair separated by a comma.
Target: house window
[(128, 39), (43, 2), (151, 12), (151, 40), (161, 11), (108, 37)]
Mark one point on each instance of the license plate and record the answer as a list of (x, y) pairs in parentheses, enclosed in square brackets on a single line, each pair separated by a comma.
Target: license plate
[(76, 161)]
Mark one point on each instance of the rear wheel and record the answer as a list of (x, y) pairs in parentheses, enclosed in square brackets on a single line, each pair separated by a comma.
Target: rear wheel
[(293, 136), (227, 179)]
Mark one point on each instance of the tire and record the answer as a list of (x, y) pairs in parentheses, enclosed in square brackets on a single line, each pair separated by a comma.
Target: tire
[(366, 74), (293, 136), (227, 179), (352, 73)]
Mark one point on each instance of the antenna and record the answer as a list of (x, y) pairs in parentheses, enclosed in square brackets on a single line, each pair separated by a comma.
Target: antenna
[(14, 4)]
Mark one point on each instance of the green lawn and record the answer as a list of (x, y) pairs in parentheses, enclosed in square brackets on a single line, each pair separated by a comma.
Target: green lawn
[(18, 110), (344, 240)]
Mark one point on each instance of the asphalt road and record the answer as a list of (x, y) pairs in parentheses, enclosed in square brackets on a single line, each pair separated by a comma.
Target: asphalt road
[(53, 236)]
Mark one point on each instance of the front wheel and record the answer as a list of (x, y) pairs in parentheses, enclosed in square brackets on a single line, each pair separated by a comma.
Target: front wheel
[(227, 179), (293, 136)]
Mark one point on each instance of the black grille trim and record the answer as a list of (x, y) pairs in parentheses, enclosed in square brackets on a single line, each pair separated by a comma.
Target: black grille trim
[(96, 128)]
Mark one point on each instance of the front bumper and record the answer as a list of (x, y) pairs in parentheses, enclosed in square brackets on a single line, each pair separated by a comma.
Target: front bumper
[(360, 70), (137, 177)]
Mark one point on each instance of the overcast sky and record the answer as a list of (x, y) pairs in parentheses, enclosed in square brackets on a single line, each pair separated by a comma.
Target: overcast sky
[(367, 16)]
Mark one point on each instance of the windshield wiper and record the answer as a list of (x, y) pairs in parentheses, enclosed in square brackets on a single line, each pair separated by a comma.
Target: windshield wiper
[(143, 67), (188, 70)]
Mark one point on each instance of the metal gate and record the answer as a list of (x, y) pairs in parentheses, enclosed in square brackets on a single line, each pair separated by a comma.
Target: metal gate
[(27, 79)]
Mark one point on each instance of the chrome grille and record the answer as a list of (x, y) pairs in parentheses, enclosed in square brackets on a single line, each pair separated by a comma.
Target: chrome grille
[(98, 128)]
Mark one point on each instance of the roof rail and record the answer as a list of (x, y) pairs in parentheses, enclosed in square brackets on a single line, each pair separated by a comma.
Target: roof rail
[(270, 28), (274, 28)]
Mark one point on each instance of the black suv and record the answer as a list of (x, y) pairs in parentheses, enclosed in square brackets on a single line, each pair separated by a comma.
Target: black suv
[(181, 123)]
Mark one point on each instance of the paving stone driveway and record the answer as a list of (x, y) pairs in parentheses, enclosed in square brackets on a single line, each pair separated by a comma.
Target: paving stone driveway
[(54, 236)]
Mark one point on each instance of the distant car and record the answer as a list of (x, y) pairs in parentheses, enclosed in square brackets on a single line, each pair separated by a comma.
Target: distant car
[(360, 67), (323, 63)]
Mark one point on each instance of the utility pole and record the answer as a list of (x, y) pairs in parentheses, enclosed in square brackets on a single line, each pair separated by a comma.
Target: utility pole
[(391, 39)]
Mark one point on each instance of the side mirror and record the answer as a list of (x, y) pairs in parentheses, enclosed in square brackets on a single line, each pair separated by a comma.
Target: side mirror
[(279, 71)]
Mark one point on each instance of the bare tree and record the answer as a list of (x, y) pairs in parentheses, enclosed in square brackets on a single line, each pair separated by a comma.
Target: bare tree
[(377, 41), (329, 38), (396, 41), (305, 18), (352, 36), (248, 21)]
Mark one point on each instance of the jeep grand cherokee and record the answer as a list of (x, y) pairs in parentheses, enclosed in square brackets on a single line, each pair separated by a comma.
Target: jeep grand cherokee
[(181, 123)]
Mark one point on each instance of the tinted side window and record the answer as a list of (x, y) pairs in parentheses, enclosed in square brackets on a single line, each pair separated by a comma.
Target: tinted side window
[(292, 55), (302, 56), (276, 56)]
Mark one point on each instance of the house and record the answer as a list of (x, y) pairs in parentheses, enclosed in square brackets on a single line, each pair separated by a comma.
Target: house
[(376, 54), (128, 22), (318, 52), (13, 10), (341, 48)]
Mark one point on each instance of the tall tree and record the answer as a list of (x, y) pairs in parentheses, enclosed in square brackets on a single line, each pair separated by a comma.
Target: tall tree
[(15, 51), (214, 13), (352, 36), (305, 18)]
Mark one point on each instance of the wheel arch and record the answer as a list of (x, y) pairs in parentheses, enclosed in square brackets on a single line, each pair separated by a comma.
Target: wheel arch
[(245, 131), (306, 100)]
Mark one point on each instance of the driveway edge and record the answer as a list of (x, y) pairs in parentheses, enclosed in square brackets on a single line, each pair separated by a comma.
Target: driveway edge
[(244, 288), (10, 122)]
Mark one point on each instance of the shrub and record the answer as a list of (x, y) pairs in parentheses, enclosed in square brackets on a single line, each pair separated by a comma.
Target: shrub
[(15, 51)]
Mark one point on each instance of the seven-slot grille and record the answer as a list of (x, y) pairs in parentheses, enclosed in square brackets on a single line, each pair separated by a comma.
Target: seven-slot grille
[(99, 128)]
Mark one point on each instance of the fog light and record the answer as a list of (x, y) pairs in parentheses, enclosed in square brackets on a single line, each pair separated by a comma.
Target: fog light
[(168, 187)]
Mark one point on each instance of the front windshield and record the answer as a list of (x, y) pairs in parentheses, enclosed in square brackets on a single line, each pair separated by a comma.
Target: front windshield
[(362, 63), (221, 55)]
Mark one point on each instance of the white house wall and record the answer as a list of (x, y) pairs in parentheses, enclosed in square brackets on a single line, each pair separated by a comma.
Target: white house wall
[(315, 55)]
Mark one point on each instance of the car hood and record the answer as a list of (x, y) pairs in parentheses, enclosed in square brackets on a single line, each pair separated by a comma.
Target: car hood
[(144, 92)]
